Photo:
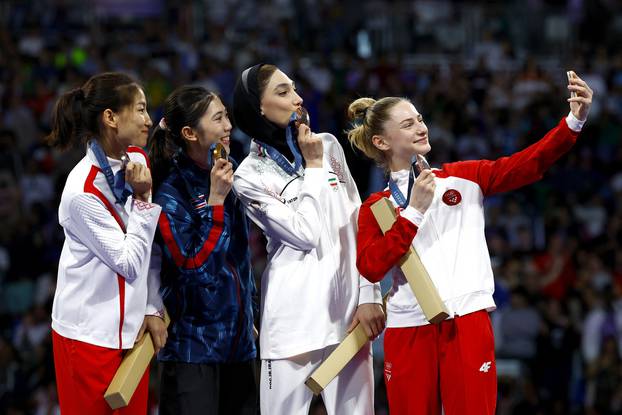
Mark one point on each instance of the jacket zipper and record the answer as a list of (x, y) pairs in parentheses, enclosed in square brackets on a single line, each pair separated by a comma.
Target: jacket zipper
[(432, 223)]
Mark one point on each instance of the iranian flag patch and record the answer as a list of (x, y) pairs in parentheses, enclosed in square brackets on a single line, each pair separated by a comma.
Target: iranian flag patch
[(333, 182)]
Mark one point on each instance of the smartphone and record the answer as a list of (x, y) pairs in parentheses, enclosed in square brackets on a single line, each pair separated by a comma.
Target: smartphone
[(570, 75)]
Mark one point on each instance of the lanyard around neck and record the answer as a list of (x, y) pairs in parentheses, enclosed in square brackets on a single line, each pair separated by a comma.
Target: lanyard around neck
[(279, 158), (116, 182), (419, 163), (397, 193)]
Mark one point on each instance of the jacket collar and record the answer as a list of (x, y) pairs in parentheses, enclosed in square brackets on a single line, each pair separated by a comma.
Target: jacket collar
[(400, 177)]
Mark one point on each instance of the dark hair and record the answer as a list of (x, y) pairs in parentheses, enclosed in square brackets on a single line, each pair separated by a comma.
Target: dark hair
[(247, 93), (183, 107), (77, 113)]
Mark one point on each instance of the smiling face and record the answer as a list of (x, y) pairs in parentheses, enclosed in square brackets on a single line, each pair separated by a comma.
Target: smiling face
[(214, 126), (279, 99), (405, 135), (133, 122)]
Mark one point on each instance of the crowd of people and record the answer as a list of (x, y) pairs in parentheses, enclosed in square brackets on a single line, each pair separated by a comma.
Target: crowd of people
[(556, 246)]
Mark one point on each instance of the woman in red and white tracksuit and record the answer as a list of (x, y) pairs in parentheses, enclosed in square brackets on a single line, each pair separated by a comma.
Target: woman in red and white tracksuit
[(450, 365), (106, 292)]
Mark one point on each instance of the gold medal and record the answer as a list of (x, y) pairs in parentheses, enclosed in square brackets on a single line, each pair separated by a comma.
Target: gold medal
[(219, 152)]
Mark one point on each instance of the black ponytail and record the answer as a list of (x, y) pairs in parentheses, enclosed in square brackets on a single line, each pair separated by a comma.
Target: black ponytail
[(183, 107), (160, 149), (66, 119), (77, 113)]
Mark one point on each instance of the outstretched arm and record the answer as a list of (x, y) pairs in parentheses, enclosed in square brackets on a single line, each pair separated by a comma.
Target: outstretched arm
[(529, 165)]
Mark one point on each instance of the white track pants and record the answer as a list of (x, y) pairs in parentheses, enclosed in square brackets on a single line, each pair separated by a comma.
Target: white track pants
[(283, 391)]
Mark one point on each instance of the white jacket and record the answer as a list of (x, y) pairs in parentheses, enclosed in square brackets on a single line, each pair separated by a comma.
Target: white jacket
[(104, 290), (449, 237), (310, 288)]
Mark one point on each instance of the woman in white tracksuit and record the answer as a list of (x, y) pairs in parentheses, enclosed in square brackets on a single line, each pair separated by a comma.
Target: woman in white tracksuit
[(296, 186), (108, 281)]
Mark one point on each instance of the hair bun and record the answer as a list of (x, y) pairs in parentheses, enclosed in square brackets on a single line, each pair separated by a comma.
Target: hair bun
[(362, 113), (357, 111)]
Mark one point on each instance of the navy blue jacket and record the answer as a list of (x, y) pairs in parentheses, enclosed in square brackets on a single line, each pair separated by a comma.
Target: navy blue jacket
[(206, 281)]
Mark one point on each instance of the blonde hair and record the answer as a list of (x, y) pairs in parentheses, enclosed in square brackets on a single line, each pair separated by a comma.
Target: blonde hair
[(368, 117)]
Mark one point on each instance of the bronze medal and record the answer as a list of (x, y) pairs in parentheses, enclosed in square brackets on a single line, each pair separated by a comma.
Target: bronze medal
[(302, 117)]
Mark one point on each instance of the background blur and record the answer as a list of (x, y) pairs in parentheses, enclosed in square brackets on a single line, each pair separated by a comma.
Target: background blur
[(489, 79)]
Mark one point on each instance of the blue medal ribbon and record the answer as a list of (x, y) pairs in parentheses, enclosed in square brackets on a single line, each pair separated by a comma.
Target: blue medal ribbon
[(293, 146), (397, 193), (280, 159), (120, 189), (210, 157)]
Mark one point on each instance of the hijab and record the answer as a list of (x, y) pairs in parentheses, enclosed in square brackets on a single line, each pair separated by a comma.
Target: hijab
[(247, 113)]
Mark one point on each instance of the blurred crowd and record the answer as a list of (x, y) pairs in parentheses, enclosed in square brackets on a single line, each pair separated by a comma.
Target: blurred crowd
[(489, 79)]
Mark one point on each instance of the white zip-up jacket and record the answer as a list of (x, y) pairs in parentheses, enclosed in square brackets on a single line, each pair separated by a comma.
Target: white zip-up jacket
[(310, 288), (449, 237), (105, 283)]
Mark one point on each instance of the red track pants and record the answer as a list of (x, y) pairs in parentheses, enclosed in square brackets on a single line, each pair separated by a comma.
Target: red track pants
[(449, 365), (83, 373)]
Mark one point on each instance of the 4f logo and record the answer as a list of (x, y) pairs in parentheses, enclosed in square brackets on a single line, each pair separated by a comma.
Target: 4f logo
[(485, 367), (387, 370)]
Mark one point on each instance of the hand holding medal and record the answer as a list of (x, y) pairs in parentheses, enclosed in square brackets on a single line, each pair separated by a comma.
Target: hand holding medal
[(221, 174), (310, 145), (138, 177), (217, 151), (423, 189)]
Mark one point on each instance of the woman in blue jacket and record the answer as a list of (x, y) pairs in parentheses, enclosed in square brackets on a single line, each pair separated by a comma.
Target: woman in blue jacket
[(207, 285)]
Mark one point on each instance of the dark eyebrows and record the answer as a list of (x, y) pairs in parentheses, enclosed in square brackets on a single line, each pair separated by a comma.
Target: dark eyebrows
[(285, 85)]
